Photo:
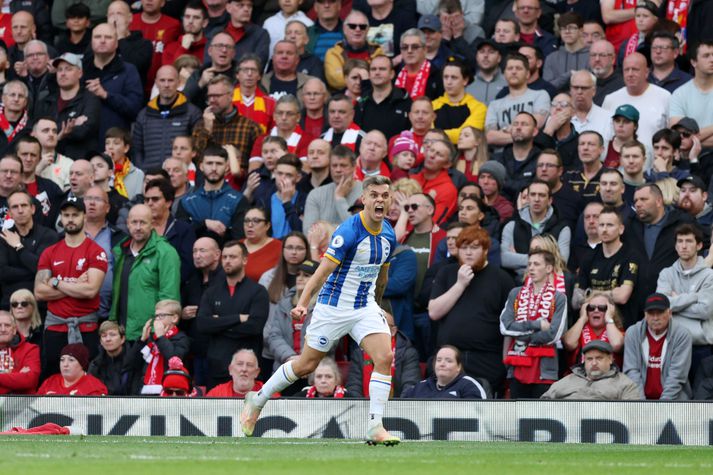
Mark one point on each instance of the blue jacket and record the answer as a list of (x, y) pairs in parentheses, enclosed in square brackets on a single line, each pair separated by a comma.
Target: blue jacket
[(400, 289), (125, 92), (225, 205), (463, 387)]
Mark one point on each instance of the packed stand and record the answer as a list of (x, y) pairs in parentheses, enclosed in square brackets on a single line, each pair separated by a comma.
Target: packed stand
[(172, 171)]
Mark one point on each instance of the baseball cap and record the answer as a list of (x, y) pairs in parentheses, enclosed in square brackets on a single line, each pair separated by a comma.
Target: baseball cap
[(693, 180), (74, 202), (689, 124), (628, 112), (309, 266), (487, 42), (657, 301), (598, 345), (429, 22), (70, 58)]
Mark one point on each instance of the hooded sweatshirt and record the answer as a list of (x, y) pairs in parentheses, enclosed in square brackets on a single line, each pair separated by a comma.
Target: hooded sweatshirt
[(559, 63), (692, 304)]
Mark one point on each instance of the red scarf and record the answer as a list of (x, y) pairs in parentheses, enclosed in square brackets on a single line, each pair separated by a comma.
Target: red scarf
[(154, 372), (297, 334), (419, 84), (293, 140), (531, 306), (368, 368), (632, 44), (558, 282), (7, 127), (339, 392), (349, 137)]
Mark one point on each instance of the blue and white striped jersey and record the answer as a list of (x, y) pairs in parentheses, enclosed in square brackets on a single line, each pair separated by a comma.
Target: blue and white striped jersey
[(360, 253)]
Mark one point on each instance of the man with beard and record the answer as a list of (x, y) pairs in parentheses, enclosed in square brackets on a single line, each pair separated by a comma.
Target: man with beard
[(244, 369), (352, 277), (693, 199), (146, 271), (488, 80), (466, 300), (69, 276), (192, 41), (565, 200), (596, 379), (232, 313), (535, 316), (613, 267), (222, 124), (520, 157), (216, 208)]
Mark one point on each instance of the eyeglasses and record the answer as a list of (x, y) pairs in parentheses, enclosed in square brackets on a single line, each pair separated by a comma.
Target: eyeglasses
[(163, 315), (359, 26), (601, 308), (22, 304), (561, 104), (412, 207), (249, 221), (222, 46), (218, 95), (414, 47), (174, 392), (295, 248), (547, 165), (471, 196)]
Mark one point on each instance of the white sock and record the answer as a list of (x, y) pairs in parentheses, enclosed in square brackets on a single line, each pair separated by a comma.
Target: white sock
[(379, 389), (282, 378)]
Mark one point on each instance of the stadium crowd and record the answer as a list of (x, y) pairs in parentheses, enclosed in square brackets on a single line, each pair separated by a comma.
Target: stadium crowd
[(171, 172)]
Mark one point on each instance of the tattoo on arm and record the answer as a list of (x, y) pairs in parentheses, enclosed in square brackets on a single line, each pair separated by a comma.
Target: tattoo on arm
[(42, 276)]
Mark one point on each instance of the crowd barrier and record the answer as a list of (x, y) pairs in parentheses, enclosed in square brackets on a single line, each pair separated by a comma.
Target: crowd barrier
[(684, 423)]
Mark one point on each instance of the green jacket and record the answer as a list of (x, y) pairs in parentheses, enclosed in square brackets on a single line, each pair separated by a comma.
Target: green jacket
[(155, 275)]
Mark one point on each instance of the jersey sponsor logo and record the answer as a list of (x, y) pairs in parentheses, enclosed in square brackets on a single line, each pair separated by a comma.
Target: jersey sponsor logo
[(368, 272), (102, 256), (337, 242)]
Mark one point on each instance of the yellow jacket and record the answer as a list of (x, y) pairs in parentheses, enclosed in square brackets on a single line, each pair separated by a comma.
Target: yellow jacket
[(334, 63), (452, 118)]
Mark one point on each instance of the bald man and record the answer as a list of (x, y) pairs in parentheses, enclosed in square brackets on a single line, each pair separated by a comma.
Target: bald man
[(152, 138), (318, 152), (372, 151), (114, 81), (651, 101), (147, 268)]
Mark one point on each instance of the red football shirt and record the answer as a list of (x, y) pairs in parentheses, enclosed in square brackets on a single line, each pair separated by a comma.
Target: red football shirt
[(165, 30), (653, 387), (226, 390), (68, 263), (87, 385)]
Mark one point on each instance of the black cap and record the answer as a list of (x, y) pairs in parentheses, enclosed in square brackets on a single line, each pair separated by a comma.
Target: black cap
[(693, 180), (657, 301), (489, 42), (309, 266), (689, 124), (74, 202), (600, 345)]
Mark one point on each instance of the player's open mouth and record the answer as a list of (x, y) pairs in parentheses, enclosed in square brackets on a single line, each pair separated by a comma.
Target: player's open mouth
[(379, 210)]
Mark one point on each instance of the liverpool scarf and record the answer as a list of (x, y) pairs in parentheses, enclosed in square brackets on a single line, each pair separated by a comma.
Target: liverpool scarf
[(418, 88)]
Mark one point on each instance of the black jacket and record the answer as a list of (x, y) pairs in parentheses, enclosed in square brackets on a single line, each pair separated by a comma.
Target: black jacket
[(519, 174), (137, 50), (120, 375), (19, 268), (83, 137), (390, 116), (434, 83), (231, 322)]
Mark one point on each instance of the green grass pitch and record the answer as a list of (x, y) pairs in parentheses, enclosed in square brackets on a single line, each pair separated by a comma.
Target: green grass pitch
[(26, 455)]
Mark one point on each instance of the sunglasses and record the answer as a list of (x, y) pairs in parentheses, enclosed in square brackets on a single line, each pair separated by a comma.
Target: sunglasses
[(413, 207), (685, 135), (358, 26), (601, 308), (20, 304), (174, 392)]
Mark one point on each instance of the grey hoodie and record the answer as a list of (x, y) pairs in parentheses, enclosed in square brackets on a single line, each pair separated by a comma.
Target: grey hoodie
[(692, 304), (558, 65)]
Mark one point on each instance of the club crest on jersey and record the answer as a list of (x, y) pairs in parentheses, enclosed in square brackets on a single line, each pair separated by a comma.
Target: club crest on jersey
[(323, 341), (80, 263), (337, 242)]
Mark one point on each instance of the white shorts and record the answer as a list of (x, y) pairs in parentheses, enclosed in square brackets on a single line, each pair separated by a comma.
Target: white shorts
[(329, 324)]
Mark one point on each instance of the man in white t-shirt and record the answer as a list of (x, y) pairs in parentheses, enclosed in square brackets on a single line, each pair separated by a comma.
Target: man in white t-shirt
[(693, 99), (651, 101)]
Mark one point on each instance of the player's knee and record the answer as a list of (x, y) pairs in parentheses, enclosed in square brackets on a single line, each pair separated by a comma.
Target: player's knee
[(384, 359)]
